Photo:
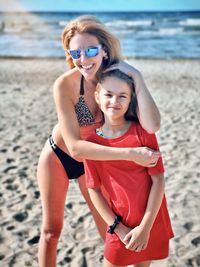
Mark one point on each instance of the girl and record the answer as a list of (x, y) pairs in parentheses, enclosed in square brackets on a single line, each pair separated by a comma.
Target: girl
[(134, 204), (89, 48)]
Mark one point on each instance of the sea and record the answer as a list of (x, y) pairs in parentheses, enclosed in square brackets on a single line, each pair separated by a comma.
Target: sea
[(155, 35)]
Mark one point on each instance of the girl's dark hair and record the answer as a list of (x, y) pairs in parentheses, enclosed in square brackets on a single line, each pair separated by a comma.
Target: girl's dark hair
[(131, 114)]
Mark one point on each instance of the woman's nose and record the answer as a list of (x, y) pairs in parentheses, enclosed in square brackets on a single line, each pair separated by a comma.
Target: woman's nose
[(83, 57)]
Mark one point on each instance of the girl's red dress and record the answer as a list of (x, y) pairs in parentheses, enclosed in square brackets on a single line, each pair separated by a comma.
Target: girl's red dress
[(128, 185)]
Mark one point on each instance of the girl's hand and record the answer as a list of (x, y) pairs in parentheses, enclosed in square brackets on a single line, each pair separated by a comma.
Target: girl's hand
[(145, 156), (137, 239), (121, 231)]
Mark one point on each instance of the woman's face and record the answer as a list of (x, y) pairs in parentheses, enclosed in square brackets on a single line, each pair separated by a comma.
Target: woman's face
[(87, 65)]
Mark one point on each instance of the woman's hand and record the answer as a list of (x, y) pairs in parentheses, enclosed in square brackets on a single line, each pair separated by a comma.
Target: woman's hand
[(124, 67), (144, 156), (137, 239)]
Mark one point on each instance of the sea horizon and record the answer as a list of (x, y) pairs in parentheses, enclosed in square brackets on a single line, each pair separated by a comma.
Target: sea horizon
[(101, 11)]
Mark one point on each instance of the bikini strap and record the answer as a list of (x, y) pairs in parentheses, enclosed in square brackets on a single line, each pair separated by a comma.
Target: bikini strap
[(51, 142), (82, 86)]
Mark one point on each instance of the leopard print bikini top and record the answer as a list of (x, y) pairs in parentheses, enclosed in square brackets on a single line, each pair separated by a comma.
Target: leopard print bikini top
[(84, 115)]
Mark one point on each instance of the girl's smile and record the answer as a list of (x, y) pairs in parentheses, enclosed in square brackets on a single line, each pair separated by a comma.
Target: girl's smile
[(114, 98)]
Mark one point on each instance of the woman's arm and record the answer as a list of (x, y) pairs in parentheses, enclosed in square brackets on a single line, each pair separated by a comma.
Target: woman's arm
[(148, 112), (106, 213), (138, 237), (78, 148)]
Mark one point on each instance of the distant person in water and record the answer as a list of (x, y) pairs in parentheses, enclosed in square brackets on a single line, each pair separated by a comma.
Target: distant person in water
[(2, 26)]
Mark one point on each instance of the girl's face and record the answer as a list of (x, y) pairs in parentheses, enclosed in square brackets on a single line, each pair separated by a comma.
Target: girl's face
[(113, 97), (88, 54)]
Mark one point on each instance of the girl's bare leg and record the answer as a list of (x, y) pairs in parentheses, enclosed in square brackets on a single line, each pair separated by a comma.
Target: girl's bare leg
[(101, 225), (108, 264), (53, 185), (143, 264)]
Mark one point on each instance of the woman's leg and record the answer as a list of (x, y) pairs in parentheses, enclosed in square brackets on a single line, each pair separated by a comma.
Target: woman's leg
[(101, 225), (143, 264), (53, 185)]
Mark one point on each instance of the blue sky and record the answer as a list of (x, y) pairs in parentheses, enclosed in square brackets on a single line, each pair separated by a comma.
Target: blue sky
[(99, 5)]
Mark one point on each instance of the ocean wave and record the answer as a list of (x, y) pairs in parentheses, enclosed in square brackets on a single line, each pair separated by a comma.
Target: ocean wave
[(170, 31), (25, 27), (129, 23), (190, 22), (63, 23), (12, 30), (162, 32)]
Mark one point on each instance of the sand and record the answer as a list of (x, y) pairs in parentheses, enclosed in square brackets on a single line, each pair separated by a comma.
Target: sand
[(27, 115)]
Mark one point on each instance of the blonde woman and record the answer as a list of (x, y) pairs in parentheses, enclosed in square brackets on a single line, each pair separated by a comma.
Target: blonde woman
[(90, 48)]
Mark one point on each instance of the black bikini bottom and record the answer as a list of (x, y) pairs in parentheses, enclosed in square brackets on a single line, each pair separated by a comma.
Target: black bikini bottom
[(73, 168)]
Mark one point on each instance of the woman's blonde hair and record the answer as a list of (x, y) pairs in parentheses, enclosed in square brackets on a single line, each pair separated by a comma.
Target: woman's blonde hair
[(91, 25)]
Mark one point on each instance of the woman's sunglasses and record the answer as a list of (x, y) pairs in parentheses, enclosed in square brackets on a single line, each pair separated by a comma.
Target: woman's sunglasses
[(91, 51)]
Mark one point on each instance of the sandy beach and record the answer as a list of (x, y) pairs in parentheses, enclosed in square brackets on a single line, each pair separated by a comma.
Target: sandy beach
[(27, 116)]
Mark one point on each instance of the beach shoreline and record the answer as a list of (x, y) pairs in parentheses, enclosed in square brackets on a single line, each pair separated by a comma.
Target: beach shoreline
[(27, 118)]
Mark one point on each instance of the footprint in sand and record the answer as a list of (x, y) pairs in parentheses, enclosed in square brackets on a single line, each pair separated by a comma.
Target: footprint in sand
[(196, 241), (15, 148), (21, 216), (8, 169), (9, 160), (33, 240)]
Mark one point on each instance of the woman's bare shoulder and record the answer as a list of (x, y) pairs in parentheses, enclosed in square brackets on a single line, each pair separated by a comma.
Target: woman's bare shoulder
[(67, 83)]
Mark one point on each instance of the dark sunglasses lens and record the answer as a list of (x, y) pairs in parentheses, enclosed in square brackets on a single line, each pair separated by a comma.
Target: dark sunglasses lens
[(92, 51), (75, 54)]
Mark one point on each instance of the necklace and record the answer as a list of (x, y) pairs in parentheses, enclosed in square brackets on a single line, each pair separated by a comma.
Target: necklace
[(100, 131)]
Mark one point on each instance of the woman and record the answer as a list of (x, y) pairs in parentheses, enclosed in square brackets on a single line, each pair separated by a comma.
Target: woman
[(90, 48)]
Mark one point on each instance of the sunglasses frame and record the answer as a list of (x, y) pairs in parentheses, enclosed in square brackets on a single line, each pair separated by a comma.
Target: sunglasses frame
[(99, 46)]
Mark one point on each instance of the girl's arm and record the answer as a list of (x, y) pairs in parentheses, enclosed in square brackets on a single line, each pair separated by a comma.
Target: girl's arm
[(139, 236), (148, 112), (78, 148), (106, 213)]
